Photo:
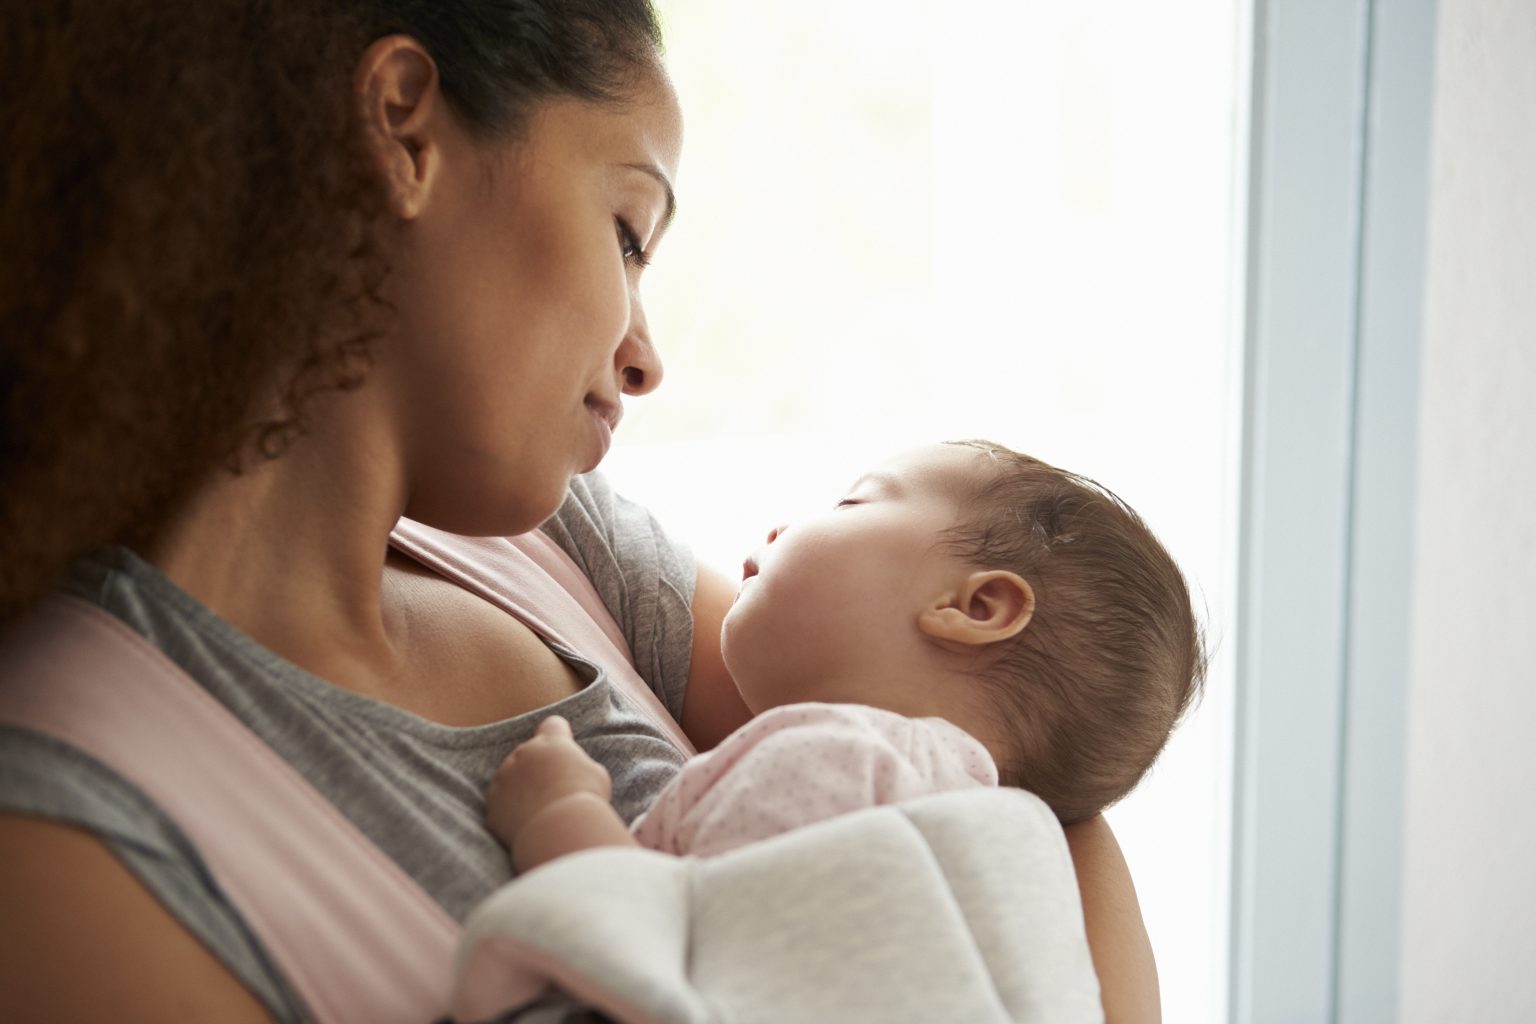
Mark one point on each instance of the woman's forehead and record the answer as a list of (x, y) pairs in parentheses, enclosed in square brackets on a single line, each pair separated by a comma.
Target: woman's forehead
[(644, 129)]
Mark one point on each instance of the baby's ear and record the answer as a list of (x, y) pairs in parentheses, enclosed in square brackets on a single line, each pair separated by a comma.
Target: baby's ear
[(988, 607)]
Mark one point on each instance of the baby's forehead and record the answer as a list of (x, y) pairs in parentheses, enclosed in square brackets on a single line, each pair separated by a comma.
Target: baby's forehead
[(955, 472), (946, 462)]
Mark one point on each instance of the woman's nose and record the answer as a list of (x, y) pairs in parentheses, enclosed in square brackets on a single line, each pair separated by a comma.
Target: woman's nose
[(636, 360)]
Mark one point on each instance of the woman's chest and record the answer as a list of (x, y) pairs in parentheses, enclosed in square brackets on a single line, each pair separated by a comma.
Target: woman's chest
[(463, 660)]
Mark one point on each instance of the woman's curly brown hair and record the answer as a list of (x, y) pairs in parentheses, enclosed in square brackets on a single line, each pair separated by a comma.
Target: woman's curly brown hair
[(194, 244)]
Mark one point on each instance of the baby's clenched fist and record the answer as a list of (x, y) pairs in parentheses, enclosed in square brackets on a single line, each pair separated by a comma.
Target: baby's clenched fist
[(545, 769)]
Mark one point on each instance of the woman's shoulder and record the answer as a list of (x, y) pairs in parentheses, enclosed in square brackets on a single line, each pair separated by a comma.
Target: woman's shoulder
[(599, 528), (79, 906), (85, 804), (643, 575)]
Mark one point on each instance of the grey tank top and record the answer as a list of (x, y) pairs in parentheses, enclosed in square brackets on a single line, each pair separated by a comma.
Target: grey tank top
[(414, 787)]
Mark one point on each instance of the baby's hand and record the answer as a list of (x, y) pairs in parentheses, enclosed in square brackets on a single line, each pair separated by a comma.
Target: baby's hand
[(547, 768)]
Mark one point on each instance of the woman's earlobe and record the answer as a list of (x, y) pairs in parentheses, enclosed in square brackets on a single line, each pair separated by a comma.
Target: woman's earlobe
[(396, 91), (987, 607)]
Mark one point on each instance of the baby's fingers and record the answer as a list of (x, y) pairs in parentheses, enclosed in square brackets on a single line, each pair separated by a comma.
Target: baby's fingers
[(554, 725)]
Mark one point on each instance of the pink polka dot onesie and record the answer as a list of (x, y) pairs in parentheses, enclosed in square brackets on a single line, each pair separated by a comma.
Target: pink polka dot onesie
[(801, 763)]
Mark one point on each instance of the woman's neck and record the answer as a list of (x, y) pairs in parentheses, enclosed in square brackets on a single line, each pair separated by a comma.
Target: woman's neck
[(292, 551)]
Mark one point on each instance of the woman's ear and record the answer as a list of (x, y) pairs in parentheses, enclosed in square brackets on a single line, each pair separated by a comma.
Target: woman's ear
[(988, 607), (399, 99)]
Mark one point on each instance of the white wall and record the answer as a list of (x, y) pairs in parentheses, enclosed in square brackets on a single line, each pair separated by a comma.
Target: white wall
[(1469, 896)]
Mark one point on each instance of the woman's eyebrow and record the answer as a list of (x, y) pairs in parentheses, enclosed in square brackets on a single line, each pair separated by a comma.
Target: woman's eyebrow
[(661, 178)]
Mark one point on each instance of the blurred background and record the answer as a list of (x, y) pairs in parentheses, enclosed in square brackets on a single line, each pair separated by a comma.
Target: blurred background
[(1184, 248), (902, 222)]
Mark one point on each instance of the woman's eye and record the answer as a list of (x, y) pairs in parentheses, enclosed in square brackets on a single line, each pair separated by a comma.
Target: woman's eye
[(629, 245)]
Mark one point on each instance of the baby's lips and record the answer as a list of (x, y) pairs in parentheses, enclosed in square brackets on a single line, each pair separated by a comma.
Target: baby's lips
[(748, 568)]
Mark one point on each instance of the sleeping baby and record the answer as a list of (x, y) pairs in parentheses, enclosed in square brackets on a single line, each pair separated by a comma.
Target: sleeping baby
[(965, 616)]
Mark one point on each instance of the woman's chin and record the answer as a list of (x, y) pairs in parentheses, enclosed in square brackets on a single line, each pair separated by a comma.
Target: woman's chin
[(485, 512)]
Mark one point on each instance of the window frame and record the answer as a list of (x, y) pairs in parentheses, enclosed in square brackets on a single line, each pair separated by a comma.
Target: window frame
[(1337, 192)]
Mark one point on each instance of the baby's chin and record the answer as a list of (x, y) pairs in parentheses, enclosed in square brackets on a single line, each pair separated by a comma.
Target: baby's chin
[(729, 650), (733, 653), (735, 627)]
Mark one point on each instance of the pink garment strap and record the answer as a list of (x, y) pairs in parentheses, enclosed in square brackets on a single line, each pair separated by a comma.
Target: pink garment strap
[(532, 578), (357, 939)]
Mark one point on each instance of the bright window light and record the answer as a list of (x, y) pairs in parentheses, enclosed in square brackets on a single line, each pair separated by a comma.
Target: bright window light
[(905, 222)]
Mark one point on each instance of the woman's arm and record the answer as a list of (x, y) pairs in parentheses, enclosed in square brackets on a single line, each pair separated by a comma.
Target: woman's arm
[(1117, 937), (712, 707), (83, 940)]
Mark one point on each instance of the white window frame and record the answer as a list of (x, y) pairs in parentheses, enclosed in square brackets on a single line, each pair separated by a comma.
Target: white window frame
[(1336, 212)]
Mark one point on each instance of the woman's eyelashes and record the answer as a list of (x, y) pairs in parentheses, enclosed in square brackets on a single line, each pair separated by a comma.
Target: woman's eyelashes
[(629, 245)]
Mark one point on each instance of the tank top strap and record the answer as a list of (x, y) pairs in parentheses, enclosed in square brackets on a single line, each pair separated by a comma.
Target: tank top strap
[(533, 579), (357, 939)]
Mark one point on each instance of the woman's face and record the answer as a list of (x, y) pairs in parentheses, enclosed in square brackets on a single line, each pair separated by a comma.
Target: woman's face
[(518, 293)]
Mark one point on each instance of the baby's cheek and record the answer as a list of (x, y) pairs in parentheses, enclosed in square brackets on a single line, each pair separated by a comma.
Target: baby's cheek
[(747, 656)]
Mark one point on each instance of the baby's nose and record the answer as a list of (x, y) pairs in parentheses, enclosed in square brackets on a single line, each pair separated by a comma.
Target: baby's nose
[(777, 532)]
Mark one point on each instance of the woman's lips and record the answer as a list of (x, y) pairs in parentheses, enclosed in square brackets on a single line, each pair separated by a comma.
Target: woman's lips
[(609, 412), (606, 415)]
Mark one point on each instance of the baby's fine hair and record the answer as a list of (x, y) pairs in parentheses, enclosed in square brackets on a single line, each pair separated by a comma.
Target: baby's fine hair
[(1112, 658)]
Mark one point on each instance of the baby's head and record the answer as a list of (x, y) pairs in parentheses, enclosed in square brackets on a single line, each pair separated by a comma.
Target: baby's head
[(1111, 658), (1026, 604)]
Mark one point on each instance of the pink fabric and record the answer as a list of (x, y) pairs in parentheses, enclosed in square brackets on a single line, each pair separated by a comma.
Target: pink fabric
[(802, 763), (356, 938), (530, 577)]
